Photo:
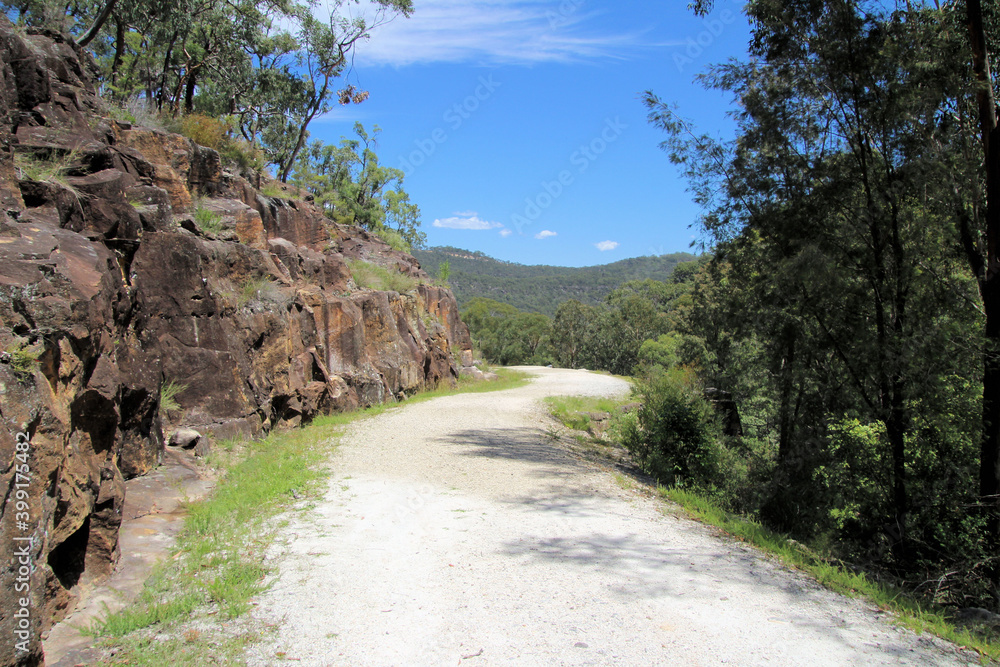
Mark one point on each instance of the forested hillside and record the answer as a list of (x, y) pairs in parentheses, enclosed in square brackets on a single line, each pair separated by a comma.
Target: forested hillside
[(539, 288)]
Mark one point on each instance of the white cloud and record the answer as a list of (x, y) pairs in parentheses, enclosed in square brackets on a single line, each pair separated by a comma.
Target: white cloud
[(544, 234), (465, 220), (505, 232), (606, 245), (516, 31)]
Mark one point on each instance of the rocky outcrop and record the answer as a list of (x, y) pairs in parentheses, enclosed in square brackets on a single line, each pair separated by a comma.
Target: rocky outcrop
[(111, 290)]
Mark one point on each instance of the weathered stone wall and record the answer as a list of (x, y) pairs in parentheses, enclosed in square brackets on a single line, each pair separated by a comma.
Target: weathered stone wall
[(107, 280)]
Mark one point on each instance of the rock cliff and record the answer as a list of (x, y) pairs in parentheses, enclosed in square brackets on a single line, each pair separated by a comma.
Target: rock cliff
[(110, 291)]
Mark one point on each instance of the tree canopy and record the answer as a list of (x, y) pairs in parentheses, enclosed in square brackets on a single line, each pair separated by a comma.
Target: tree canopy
[(269, 68)]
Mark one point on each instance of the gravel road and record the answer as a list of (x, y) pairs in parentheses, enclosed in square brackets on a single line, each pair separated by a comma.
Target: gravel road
[(455, 531)]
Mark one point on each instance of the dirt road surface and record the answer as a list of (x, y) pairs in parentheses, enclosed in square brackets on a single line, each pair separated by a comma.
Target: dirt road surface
[(457, 532)]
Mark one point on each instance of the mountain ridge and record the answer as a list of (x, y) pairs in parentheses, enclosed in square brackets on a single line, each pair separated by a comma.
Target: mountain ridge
[(540, 288)]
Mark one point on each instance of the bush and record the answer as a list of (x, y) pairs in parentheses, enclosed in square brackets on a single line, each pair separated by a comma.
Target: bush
[(677, 437), (204, 130)]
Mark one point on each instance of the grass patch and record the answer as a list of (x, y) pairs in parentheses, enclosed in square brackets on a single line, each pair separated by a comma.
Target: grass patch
[(393, 238), (208, 221), (46, 167), (252, 288), (508, 379), (274, 190), (909, 612), (168, 396), (571, 411), (218, 564), (23, 361), (373, 276)]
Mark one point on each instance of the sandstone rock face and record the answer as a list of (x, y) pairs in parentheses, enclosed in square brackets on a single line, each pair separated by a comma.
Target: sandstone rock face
[(109, 291)]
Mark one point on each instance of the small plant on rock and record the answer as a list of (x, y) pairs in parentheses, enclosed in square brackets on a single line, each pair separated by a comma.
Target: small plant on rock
[(208, 221), (22, 361), (168, 394), (253, 288), (46, 167)]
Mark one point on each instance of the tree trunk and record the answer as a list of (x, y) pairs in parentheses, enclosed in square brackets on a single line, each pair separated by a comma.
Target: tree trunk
[(119, 53), (91, 33), (989, 471)]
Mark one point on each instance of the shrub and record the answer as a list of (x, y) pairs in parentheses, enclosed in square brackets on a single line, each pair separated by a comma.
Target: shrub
[(204, 130), (678, 438), (258, 291)]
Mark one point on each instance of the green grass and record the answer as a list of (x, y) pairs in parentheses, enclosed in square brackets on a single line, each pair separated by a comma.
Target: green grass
[(23, 361), (571, 410), (218, 564), (373, 276), (273, 190), (168, 394), (508, 379), (47, 168), (208, 221), (393, 238), (909, 611), (252, 288)]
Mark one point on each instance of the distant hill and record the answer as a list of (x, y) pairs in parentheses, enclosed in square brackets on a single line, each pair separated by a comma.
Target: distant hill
[(540, 288)]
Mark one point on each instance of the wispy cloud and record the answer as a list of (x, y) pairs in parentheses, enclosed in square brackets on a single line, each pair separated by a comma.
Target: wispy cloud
[(544, 234), (490, 31), (465, 220), (606, 245), (505, 232)]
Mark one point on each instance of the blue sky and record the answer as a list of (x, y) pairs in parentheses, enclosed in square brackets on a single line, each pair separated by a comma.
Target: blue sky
[(520, 128)]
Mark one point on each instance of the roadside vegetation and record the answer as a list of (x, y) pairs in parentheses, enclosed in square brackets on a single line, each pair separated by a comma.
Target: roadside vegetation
[(637, 472), (192, 610)]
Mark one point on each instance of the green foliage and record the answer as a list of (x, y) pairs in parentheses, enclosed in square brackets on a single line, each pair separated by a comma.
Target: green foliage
[(573, 411), (375, 277), (45, 166), (23, 361), (168, 396), (351, 187), (678, 439), (394, 239), (507, 336), (251, 289), (540, 289), (444, 272), (204, 130), (841, 309), (208, 221), (269, 68)]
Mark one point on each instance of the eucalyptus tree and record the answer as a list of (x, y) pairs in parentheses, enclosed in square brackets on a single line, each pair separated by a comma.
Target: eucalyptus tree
[(844, 210), (272, 67), (352, 187)]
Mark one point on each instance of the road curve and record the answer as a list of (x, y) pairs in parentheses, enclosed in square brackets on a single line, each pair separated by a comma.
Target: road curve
[(455, 531)]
